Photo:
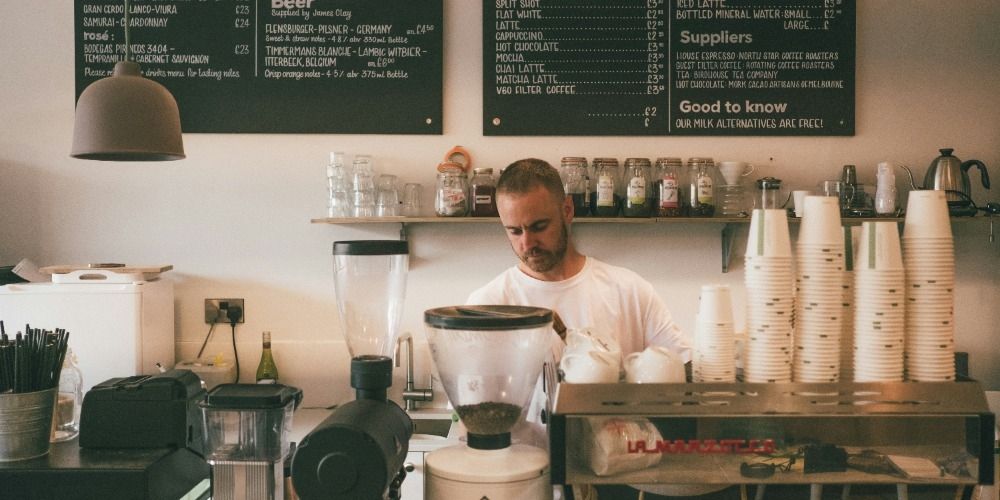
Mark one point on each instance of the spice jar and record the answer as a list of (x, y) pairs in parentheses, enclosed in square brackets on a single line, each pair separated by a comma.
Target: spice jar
[(637, 200), (484, 193), (606, 198), (668, 187), (451, 199)]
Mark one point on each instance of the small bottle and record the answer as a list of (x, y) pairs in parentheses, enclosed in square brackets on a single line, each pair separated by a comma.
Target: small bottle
[(66, 418), (484, 193), (267, 371)]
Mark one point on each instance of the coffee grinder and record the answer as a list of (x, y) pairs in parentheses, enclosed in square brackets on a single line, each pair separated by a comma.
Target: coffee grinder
[(489, 359), (359, 450)]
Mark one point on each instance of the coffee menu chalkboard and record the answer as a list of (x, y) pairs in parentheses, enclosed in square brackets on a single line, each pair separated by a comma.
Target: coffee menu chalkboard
[(668, 67), (287, 66)]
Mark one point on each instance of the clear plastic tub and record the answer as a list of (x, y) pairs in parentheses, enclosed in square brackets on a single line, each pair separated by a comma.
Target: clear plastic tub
[(248, 422)]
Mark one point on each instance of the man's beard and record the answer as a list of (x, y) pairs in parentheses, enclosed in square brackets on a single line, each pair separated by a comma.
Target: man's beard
[(541, 261)]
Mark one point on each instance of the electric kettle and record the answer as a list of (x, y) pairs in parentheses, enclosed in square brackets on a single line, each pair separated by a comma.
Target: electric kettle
[(948, 173)]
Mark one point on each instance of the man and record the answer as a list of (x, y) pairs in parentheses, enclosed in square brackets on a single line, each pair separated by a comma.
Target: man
[(583, 291), (551, 273)]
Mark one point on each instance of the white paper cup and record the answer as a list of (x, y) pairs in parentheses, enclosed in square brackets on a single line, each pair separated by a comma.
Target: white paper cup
[(798, 197), (927, 215), (715, 304), (879, 248), (769, 234), (821, 222)]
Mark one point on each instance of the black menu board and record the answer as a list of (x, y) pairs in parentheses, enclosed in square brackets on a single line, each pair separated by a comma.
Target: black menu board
[(668, 67), (287, 66)]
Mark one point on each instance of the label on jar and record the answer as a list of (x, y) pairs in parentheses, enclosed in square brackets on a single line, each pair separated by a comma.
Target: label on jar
[(452, 201), (669, 197), (704, 189), (637, 191), (605, 191)]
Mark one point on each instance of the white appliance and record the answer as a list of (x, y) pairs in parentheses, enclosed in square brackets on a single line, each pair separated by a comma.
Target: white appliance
[(118, 326)]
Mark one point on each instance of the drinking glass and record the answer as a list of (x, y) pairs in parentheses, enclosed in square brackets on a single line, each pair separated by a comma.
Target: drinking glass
[(387, 198), (411, 199)]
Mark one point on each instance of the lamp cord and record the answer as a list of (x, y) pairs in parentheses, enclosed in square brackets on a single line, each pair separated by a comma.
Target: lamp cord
[(128, 44)]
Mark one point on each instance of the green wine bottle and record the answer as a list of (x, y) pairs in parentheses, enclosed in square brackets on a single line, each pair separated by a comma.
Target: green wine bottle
[(267, 371)]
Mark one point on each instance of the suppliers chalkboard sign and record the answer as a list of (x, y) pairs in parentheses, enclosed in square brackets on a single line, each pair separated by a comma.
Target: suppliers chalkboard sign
[(669, 67), (285, 66)]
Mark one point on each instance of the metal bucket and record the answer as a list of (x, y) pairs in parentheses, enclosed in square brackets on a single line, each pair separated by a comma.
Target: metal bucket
[(25, 424)]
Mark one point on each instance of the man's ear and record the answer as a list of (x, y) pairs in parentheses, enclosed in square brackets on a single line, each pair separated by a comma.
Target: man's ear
[(567, 209)]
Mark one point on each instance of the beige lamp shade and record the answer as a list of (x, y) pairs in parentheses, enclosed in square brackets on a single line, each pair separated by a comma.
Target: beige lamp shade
[(127, 117)]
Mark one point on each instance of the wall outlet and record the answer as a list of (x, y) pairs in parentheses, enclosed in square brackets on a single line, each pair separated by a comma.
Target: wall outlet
[(216, 310)]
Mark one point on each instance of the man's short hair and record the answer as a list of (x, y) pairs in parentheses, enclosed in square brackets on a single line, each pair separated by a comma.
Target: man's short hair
[(525, 175)]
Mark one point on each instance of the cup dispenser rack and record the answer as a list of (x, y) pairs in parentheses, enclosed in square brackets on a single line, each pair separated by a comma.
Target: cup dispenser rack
[(707, 432)]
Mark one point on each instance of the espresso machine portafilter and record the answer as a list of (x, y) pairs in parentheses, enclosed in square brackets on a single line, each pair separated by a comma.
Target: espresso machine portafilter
[(359, 450)]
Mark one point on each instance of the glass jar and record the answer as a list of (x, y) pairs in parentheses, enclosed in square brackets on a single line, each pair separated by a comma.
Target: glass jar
[(573, 171), (668, 187), (606, 198), (767, 193), (637, 200), (701, 187), (66, 416), (484, 193), (451, 198)]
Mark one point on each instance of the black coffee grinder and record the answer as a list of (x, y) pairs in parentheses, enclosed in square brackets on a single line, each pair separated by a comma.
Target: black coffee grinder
[(359, 450)]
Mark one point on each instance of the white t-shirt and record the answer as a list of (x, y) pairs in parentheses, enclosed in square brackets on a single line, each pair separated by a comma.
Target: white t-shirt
[(605, 298)]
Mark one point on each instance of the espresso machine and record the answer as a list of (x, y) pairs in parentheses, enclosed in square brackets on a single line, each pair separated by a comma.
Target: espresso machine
[(359, 450), (489, 359)]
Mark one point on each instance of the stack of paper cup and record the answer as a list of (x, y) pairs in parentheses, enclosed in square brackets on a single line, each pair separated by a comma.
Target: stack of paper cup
[(715, 345), (879, 304), (851, 237), (770, 299), (929, 256), (819, 280)]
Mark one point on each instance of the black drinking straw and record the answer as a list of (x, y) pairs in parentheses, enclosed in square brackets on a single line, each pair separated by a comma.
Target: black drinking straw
[(33, 361)]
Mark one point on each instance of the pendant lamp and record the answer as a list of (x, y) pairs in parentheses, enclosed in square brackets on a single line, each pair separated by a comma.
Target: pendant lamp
[(127, 117)]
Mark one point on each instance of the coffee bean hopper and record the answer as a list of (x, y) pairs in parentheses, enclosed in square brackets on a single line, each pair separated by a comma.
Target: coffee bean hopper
[(489, 359), (359, 450)]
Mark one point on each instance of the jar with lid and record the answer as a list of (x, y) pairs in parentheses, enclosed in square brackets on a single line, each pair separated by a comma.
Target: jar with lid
[(701, 187), (451, 198), (768, 197), (637, 200), (605, 195), (484, 193), (668, 187), (573, 171)]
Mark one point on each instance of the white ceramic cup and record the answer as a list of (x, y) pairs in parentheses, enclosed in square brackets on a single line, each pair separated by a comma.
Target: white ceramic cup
[(590, 367), (654, 365), (732, 171)]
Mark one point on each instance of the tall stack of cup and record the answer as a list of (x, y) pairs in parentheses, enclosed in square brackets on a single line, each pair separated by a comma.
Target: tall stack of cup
[(852, 235), (929, 255), (770, 299), (879, 304), (819, 280), (715, 343)]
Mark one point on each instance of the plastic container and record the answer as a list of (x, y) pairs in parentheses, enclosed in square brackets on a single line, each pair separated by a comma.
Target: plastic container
[(248, 422)]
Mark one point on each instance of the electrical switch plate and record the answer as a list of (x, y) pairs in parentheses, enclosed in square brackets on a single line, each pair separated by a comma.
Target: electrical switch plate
[(215, 310)]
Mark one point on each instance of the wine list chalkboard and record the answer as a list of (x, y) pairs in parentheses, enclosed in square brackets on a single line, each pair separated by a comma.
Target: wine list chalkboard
[(284, 66), (669, 67)]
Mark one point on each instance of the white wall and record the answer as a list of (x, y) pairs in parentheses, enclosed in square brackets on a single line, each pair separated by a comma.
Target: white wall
[(233, 218)]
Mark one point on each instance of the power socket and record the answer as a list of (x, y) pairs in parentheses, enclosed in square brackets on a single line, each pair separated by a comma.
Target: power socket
[(215, 310)]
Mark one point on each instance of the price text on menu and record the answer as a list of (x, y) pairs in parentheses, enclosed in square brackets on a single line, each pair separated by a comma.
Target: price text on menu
[(286, 66), (668, 67)]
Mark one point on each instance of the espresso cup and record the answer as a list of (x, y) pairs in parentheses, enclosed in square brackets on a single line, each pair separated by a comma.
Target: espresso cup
[(654, 365)]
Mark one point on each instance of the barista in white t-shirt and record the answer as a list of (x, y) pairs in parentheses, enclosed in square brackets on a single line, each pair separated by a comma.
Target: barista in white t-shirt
[(583, 291)]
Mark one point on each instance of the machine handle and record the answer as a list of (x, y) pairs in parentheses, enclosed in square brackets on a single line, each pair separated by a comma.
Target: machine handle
[(982, 171)]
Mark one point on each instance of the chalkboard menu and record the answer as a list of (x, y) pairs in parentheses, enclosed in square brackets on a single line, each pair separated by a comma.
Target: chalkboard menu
[(287, 66), (677, 67)]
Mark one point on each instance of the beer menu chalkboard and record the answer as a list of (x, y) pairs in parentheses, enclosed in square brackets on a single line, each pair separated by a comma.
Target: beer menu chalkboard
[(668, 67), (286, 66)]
